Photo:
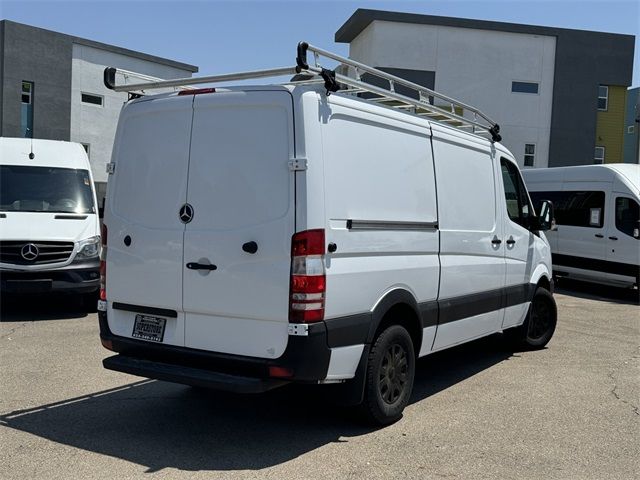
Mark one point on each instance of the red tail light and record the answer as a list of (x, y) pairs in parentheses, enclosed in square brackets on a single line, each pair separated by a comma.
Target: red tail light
[(103, 264), (308, 279), (196, 91)]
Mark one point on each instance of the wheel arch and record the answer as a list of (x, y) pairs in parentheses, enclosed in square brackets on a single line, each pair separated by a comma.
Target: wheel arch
[(397, 307), (541, 277)]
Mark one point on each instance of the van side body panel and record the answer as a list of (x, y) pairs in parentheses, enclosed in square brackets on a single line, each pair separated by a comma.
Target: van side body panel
[(384, 224)]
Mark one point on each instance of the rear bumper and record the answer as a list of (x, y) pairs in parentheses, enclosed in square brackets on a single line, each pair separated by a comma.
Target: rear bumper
[(84, 278), (306, 358)]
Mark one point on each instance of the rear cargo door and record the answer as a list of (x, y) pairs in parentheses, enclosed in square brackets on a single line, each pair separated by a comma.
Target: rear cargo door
[(237, 246), (145, 234)]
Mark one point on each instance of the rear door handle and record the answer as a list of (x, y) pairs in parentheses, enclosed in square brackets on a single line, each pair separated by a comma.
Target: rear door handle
[(496, 241), (599, 235), (200, 266), (613, 238), (511, 241)]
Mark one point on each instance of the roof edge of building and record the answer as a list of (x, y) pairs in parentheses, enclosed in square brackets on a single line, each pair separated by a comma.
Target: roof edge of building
[(363, 17), (113, 48)]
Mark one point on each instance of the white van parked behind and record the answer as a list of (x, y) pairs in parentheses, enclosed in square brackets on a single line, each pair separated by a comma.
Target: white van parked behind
[(597, 209), (263, 235), (49, 226)]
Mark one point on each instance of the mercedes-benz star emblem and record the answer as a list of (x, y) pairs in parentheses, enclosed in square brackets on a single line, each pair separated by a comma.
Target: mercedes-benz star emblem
[(29, 252), (186, 213)]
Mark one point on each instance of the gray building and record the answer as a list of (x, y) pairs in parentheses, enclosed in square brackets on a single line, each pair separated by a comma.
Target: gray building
[(51, 88), (558, 94), (632, 125)]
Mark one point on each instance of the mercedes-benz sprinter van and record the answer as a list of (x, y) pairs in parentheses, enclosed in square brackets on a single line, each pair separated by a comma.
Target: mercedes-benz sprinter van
[(256, 236), (49, 226)]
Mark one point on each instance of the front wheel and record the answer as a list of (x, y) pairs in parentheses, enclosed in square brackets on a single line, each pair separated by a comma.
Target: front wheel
[(390, 374), (540, 324)]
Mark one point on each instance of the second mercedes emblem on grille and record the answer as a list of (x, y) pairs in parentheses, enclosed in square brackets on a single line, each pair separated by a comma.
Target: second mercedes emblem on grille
[(186, 213), (29, 252)]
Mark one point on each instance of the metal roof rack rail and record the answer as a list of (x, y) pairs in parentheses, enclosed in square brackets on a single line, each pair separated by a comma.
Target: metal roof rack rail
[(421, 103)]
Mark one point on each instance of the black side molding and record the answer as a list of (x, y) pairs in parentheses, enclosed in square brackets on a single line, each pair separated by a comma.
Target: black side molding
[(388, 225), (70, 217), (109, 78), (162, 312), (3, 215)]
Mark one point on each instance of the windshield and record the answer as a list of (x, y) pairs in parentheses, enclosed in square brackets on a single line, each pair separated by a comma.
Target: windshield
[(45, 189)]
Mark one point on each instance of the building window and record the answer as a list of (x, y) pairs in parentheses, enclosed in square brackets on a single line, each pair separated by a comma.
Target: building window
[(598, 156), (524, 87), (87, 148), (26, 113), (603, 97), (529, 154), (92, 99)]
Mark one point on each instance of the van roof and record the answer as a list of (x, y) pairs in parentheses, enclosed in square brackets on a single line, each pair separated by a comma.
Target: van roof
[(48, 153), (627, 172)]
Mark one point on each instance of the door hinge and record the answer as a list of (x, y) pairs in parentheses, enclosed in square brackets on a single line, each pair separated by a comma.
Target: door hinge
[(298, 164), (299, 329), (110, 167)]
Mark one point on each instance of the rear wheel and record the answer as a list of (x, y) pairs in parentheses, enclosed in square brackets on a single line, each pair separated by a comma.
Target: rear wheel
[(390, 374), (540, 324)]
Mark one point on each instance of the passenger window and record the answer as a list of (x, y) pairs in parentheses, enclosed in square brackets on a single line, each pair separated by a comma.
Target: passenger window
[(518, 206), (577, 209), (628, 216)]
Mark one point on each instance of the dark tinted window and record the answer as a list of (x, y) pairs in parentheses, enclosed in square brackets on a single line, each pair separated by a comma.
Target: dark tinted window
[(524, 87), (578, 209), (93, 99), (627, 215), (45, 189), (518, 206)]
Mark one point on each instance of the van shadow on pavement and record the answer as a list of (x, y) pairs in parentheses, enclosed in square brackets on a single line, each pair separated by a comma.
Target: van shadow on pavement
[(594, 291), (27, 308), (161, 425)]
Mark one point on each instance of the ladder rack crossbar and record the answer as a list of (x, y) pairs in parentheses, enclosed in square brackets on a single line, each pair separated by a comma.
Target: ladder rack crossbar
[(181, 82)]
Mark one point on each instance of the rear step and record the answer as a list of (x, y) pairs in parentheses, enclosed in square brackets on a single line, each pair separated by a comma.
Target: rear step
[(190, 376)]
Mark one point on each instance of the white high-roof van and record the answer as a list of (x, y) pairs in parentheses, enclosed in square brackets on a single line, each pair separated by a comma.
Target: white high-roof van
[(49, 226), (597, 210), (263, 235)]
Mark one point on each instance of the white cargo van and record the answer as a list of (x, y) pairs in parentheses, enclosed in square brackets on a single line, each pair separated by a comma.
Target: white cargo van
[(598, 220), (49, 226), (262, 235)]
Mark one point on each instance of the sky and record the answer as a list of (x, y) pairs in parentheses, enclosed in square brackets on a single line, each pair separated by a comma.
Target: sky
[(225, 36)]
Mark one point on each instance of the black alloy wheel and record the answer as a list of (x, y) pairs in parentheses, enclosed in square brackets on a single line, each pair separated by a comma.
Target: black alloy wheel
[(389, 376)]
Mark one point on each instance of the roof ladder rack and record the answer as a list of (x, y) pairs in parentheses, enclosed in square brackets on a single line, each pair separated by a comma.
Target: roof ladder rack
[(459, 114), (421, 102)]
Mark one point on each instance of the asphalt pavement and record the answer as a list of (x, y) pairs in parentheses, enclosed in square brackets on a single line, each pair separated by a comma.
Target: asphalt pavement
[(478, 411)]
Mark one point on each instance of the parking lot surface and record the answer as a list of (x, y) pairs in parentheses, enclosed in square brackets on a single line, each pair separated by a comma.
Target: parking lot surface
[(478, 411)]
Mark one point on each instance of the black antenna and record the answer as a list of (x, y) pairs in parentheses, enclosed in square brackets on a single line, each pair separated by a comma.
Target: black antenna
[(31, 154)]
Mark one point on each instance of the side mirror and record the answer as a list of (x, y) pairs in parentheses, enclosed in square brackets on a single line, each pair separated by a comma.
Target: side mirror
[(545, 219)]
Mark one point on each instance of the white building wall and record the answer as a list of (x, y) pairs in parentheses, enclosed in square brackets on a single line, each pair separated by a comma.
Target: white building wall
[(96, 125), (476, 67)]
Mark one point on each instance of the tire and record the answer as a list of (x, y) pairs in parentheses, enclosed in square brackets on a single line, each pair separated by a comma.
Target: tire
[(540, 324), (387, 390)]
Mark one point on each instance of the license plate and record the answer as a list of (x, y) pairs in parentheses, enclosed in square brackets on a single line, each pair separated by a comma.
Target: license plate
[(149, 328)]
